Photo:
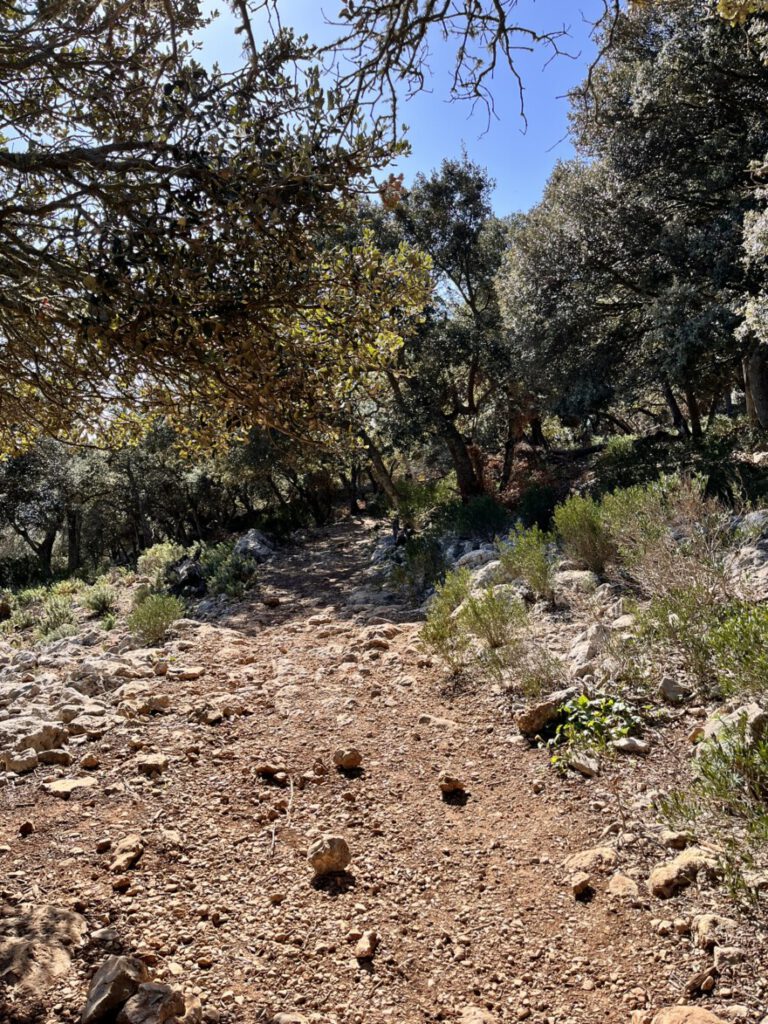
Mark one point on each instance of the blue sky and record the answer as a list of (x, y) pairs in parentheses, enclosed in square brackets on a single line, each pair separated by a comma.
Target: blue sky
[(519, 159)]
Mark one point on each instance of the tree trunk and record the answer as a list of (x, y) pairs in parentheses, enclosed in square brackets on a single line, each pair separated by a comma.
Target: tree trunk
[(379, 472), (755, 367), (45, 552), (466, 476), (693, 411), (678, 419), (74, 537)]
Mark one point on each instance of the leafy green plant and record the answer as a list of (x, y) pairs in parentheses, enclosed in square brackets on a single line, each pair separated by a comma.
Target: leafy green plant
[(580, 526), (739, 649), (228, 573), (150, 619), (728, 802), (591, 723), (443, 632), (101, 599), (57, 611), (109, 622), (30, 596), (155, 560), (422, 567), (526, 555)]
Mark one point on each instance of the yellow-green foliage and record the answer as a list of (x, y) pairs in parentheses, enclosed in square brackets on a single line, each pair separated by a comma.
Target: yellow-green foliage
[(583, 533), (155, 560), (525, 555), (150, 619)]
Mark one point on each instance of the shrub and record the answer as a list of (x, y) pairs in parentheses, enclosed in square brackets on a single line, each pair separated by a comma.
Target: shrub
[(679, 623), (101, 599), (419, 499), (482, 516), (493, 617), (155, 560), (526, 556), (67, 587), (422, 567), (150, 619), (636, 519), (30, 596), (728, 803), (109, 622), (538, 672), (739, 649), (443, 632), (56, 612), (580, 527), (537, 505), (227, 573)]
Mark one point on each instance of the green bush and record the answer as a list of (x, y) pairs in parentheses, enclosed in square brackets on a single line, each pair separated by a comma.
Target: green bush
[(67, 587), (227, 573), (493, 617), (727, 802), (482, 516), (155, 561), (537, 506), (636, 519), (57, 611), (101, 599), (443, 632), (420, 499), (30, 596), (583, 533), (423, 566), (679, 624), (109, 622), (739, 649), (150, 619), (526, 556)]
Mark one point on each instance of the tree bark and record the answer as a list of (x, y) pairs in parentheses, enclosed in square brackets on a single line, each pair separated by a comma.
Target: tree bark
[(678, 419), (755, 366), (693, 411), (74, 536), (379, 471), (466, 476)]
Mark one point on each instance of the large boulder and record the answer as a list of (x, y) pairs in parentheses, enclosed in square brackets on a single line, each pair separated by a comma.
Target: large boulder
[(254, 545)]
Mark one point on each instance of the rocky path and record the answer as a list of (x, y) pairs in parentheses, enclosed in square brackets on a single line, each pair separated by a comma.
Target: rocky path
[(219, 795)]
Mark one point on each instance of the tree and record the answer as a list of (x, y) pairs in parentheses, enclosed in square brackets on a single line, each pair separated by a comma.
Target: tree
[(626, 280), (452, 384), (160, 228)]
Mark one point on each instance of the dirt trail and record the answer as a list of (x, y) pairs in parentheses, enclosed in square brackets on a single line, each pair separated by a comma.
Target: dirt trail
[(469, 899)]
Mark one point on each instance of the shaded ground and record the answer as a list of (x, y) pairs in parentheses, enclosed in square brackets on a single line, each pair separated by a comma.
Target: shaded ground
[(470, 899)]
